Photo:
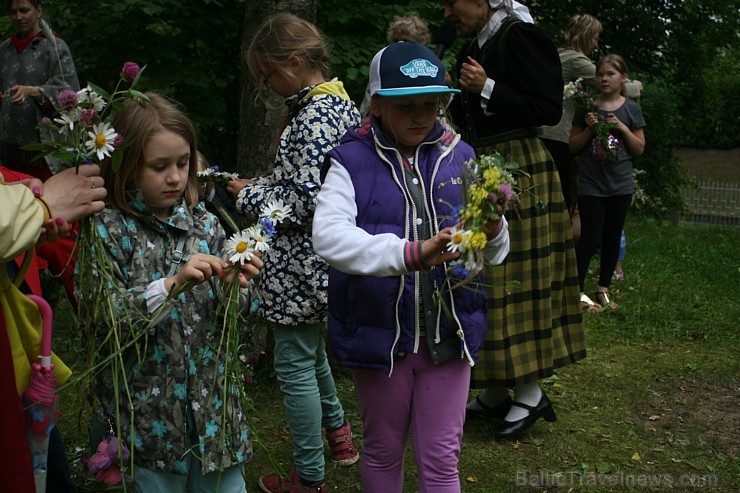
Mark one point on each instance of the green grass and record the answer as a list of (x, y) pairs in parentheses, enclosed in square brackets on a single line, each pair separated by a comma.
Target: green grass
[(655, 401)]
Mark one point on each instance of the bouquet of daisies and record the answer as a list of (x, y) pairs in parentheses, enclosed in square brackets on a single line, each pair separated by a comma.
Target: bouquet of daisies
[(489, 186), (604, 145)]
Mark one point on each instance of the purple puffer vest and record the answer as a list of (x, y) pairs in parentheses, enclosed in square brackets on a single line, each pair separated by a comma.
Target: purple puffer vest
[(373, 319)]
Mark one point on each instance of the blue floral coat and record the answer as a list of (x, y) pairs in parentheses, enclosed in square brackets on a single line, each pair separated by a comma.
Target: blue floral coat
[(294, 282)]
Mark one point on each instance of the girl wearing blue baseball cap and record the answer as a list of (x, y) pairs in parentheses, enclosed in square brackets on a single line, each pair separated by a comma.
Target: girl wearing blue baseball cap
[(382, 222)]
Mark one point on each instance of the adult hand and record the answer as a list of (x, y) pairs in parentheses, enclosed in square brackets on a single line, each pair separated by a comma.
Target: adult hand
[(21, 93), (73, 196), (473, 76), (197, 270), (235, 186), (53, 230), (434, 250)]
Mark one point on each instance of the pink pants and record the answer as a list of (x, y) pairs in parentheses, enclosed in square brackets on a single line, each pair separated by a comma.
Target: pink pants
[(426, 399)]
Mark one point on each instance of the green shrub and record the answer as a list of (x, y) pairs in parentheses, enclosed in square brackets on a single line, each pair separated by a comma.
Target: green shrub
[(661, 174)]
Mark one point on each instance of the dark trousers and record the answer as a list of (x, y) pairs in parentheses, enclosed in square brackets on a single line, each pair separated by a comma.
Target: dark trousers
[(602, 220), (564, 163)]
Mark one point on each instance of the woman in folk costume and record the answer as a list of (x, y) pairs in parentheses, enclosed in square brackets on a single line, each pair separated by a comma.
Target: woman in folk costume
[(511, 84)]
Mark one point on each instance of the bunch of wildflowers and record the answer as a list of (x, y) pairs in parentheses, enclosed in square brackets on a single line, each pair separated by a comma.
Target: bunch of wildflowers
[(82, 131), (488, 186), (605, 144)]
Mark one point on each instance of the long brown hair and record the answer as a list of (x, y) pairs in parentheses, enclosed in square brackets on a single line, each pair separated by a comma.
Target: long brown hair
[(137, 123), (284, 36)]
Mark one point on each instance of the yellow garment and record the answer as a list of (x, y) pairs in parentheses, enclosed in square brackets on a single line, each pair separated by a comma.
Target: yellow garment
[(332, 87), (24, 325), (20, 220), (20, 225)]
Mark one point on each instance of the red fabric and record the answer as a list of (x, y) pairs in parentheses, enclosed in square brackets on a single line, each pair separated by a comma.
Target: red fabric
[(16, 471), (22, 43)]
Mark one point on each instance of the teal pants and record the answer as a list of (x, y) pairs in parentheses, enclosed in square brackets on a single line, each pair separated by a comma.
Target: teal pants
[(310, 396), (229, 481)]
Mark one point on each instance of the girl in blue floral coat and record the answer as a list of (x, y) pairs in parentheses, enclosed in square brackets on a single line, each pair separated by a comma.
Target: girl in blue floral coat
[(291, 57), (187, 429)]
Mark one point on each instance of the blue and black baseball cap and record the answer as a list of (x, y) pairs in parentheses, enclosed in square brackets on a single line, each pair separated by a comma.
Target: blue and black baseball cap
[(407, 68)]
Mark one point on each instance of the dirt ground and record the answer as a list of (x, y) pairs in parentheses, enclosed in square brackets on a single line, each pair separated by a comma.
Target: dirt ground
[(715, 165)]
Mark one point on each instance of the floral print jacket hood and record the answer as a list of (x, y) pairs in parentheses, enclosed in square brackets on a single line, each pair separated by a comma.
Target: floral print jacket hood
[(180, 369)]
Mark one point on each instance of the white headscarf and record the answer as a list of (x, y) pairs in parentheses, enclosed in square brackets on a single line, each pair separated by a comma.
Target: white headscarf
[(512, 6)]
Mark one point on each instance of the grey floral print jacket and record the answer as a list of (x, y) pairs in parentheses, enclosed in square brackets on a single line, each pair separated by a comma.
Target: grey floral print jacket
[(180, 369)]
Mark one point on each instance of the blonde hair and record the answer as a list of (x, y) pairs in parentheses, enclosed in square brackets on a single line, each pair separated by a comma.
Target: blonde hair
[(284, 36), (137, 123), (580, 32), (408, 28)]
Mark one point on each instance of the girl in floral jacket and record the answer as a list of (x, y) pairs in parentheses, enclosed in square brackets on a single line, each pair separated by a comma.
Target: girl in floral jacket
[(186, 429), (291, 57)]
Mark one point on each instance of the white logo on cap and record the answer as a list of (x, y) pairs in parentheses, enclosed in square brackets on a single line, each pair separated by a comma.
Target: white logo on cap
[(419, 68)]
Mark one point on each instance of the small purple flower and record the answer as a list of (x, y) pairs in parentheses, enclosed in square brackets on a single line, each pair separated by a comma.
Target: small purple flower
[(67, 99), (45, 120), (118, 141), (129, 71), (88, 116), (506, 191)]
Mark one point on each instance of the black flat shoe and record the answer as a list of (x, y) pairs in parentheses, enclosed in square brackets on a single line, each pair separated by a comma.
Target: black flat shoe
[(543, 409), (499, 411)]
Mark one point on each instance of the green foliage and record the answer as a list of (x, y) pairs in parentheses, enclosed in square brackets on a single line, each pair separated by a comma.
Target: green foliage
[(358, 32), (664, 175), (191, 50)]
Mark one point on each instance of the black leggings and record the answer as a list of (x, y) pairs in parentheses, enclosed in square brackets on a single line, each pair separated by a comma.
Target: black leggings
[(602, 220)]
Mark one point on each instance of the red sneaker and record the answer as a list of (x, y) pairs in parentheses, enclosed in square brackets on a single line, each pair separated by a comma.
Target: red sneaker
[(272, 483), (341, 447)]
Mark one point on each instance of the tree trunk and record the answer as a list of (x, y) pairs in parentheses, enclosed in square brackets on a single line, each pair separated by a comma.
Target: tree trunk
[(258, 119)]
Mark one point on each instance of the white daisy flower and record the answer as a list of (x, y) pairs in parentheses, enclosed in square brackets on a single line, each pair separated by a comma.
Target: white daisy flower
[(90, 97), (277, 211), (195, 405), (238, 247), (260, 239), (155, 391), (65, 121), (457, 243), (204, 392), (101, 139)]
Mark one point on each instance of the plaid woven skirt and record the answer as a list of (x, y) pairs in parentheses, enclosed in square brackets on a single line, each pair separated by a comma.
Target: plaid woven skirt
[(534, 319)]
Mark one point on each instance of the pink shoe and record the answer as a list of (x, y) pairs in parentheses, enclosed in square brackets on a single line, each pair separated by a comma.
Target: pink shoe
[(341, 447), (272, 483)]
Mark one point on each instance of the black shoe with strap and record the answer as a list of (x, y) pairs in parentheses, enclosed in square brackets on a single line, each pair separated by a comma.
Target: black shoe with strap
[(499, 411), (543, 409)]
